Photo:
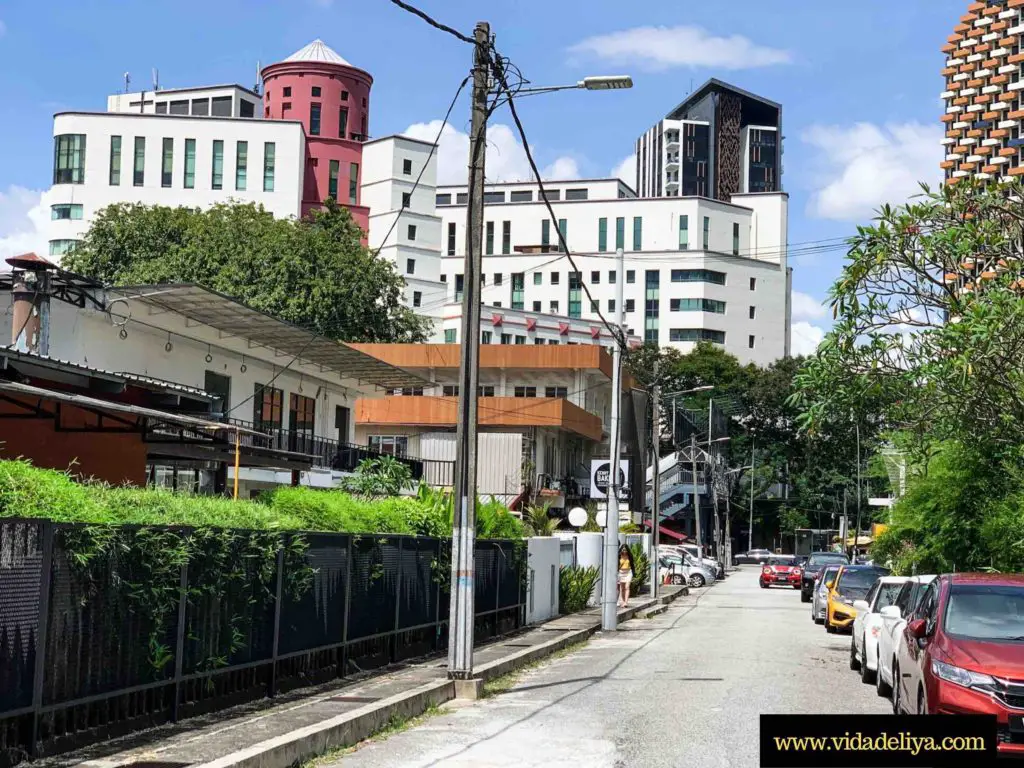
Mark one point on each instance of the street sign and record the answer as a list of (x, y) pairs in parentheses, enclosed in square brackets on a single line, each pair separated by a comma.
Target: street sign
[(600, 478)]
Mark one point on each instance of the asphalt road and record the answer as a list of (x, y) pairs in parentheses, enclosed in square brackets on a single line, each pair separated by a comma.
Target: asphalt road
[(683, 689)]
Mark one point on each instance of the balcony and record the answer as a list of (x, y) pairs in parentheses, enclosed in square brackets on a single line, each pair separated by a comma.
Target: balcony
[(671, 140), (672, 162)]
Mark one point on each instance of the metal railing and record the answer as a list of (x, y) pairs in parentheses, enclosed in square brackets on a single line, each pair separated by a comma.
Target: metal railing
[(131, 640)]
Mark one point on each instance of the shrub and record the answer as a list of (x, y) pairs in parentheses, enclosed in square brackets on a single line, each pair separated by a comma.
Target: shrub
[(539, 522), (641, 568), (575, 586)]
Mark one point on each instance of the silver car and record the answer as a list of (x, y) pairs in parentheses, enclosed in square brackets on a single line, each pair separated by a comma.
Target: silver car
[(819, 598)]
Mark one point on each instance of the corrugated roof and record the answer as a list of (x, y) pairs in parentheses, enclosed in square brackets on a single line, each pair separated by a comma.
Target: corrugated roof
[(318, 50)]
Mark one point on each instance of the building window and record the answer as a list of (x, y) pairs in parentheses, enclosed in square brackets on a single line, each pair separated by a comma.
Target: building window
[(269, 149), (60, 247), (497, 303), (611, 305), (406, 199), (561, 392), (407, 167), (497, 278), (344, 95), (410, 266), (489, 238), (521, 197), (519, 340), (595, 306), (506, 237), (342, 122), (697, 305), (554, 307), (139, 172), (69, 158), (190, 164), (444, 278), (451, 238), (630, 276), (576, 194), (218, 164), (115, 161), (451, 390), (314, 119), (392, 445), (696, 334), (506, 338), (538, 341), (537, 306), (525, 391), (302, 417), (638, 233), (241, 164), (443, 199), (750, 342), (486, 337), (461, 198), (411, 232), (753, 283), (221, 106), (487, 390), (630, 305), (620, 232), (316, 91), (417, 298), (494, 197), (353, 183), (753, 311), (602, 235), (201, 107), (684, 233), (652, 301), (575, 295), (735, 239), (545, 232), (287, 90), (72, 211), (555, 277), (267, 408), (611, 277), (707, 232), (459, 284), (538, 278), (563, 228), (167, 165), (698, 276), (332, 178), (449, 335), (595, 277)]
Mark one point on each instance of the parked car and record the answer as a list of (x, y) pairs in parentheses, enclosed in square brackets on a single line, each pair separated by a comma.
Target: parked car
[(753, 557), (851, 583), (673, 569), (780, 571), (694, 551), (894, 617), (813, 568), (819, 603), (962, 652), (867, 627)]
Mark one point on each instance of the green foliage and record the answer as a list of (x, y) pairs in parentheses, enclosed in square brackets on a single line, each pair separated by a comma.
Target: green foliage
[(575, 586), (538, 522), (791, 519), (641, 568), (381, 476), (313, 272), (591, 525)]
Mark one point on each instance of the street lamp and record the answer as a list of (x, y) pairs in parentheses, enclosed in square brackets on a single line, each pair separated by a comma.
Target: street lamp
[(594, 83)]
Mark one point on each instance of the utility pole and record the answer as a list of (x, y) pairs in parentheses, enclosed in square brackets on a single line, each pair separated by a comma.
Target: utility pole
[(609, 590), (696, 495), (460, 643), (753, 466), (655, 480), (714, 478), (844, 529), (728, 529), (856, 533)]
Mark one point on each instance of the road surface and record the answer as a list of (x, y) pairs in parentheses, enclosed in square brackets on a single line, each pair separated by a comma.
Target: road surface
[(683, 689)]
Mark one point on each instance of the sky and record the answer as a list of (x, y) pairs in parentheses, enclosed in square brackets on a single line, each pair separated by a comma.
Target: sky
[(859, 84)]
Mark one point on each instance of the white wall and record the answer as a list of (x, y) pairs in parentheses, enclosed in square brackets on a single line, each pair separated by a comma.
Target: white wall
[(542, 590), (146, 101), (589, 553), (96, 192)]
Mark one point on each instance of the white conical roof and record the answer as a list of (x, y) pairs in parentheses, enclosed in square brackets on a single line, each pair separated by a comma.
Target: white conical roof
[(318, 50)]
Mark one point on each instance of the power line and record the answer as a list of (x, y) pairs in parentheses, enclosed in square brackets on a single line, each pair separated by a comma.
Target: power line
[(436, 24)]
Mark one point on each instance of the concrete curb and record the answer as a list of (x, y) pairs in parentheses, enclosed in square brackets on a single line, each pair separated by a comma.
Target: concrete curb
[(359, 724)]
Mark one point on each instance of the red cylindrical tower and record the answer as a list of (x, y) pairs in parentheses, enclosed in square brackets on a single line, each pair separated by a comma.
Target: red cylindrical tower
[(331, 99)]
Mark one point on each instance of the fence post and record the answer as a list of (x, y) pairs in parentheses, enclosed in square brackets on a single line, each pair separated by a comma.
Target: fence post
[(179, 641), (437, 595), (343, 666), (497, 589), (398, 603), (279, 596), (42, 633)]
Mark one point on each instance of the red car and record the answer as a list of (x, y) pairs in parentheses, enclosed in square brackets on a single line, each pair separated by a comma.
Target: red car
[(962, 652), (781, 571)]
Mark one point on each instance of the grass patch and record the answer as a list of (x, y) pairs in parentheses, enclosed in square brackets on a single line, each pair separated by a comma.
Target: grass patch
[(396, 724), (500, 685)]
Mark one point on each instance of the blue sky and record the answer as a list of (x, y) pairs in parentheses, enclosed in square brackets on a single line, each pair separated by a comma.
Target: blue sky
[(859, 84)]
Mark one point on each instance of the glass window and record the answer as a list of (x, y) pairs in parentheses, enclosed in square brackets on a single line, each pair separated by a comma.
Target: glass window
[(638, 233), (459, 283), (353, 183), (595, 277), (602, 235), (620, 232), (553, 194), (344, 95), (525, 196), (696, 334), (314, 119), (411, 232), (753, 283), (316, 91), (563, 228), (342, 122), (489, 238), (494, 197), (222, 106), (139, 174), (190, 163), (735, 239), (449, 335), (160, 108), (417, 298), (69, 158), (525, 391), (630, 276), (167, 166), (269, 151), (519, 340), (241, 164), (697, 305), (201, 107), (60, 247), (392, 445), (538, 278), (506, 237), (217, 168), (707, 232), (753, 311), (115, 161), (267, 408), (576, 194), (451, 238), (497, 278), (410, 266), (461, 198), (537, 306), (545, 232), (630, 305), (555, 276), (487, 390), (179, 107), (406, 199), (750, 342), (561, 392), (698, 276), (611, 305), (684, 233), (332, 178), (443, 199), (72, 211), (554, 307), (611, 277), (407, 167)]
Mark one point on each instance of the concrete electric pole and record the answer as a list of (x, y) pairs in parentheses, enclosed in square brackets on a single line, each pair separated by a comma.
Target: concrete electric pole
[(655, 480), (609, 588), (696, 494), (753, 466), (460, 636)]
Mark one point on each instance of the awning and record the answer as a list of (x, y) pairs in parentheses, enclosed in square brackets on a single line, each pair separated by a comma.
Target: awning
[(663, 531)]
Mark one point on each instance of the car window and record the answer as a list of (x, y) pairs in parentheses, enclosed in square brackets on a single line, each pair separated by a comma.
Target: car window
[(887, 594), (871, 593), (780, 561), (986, 612), (903, 598), (929, 602), (915, 598)]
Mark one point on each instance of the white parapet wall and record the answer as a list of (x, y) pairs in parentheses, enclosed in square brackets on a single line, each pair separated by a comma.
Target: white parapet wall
[(589, 553), (542, 589)]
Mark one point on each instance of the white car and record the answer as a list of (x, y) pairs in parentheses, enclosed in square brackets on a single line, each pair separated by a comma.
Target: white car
[(819, 598), (894, 618), (868, 625)]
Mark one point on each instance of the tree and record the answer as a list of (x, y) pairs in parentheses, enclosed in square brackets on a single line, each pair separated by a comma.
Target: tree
[(313, 272)]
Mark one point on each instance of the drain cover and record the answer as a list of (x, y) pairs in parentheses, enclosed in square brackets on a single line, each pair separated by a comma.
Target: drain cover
[(518, 645), (356, 699)]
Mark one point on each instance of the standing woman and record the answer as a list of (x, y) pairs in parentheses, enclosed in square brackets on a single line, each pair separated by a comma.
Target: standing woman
[(626, 570)]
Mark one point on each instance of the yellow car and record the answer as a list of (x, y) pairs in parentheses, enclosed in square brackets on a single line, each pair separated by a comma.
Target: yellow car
[(851, 583)]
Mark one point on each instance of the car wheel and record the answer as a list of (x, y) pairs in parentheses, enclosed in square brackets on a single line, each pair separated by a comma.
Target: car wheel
[(763, 585), (922, 702), (854, 664), (828, 626), (896, 705), (697, 580), (677, 579), (867, 675), (804, 597), (882, 688)]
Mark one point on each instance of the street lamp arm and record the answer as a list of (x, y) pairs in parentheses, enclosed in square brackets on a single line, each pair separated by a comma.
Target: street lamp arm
[(596, 83)]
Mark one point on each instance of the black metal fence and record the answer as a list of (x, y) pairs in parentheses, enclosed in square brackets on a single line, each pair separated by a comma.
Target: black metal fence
[(96, 642)]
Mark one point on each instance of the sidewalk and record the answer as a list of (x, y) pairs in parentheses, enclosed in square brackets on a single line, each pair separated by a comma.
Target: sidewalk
[(309, 722)]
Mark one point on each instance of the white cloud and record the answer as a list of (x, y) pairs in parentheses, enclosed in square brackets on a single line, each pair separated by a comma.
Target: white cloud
[(506, 159), (23, 217), (807, 307), (660, 48), (805, 338), (857, 168), (626, 170)]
